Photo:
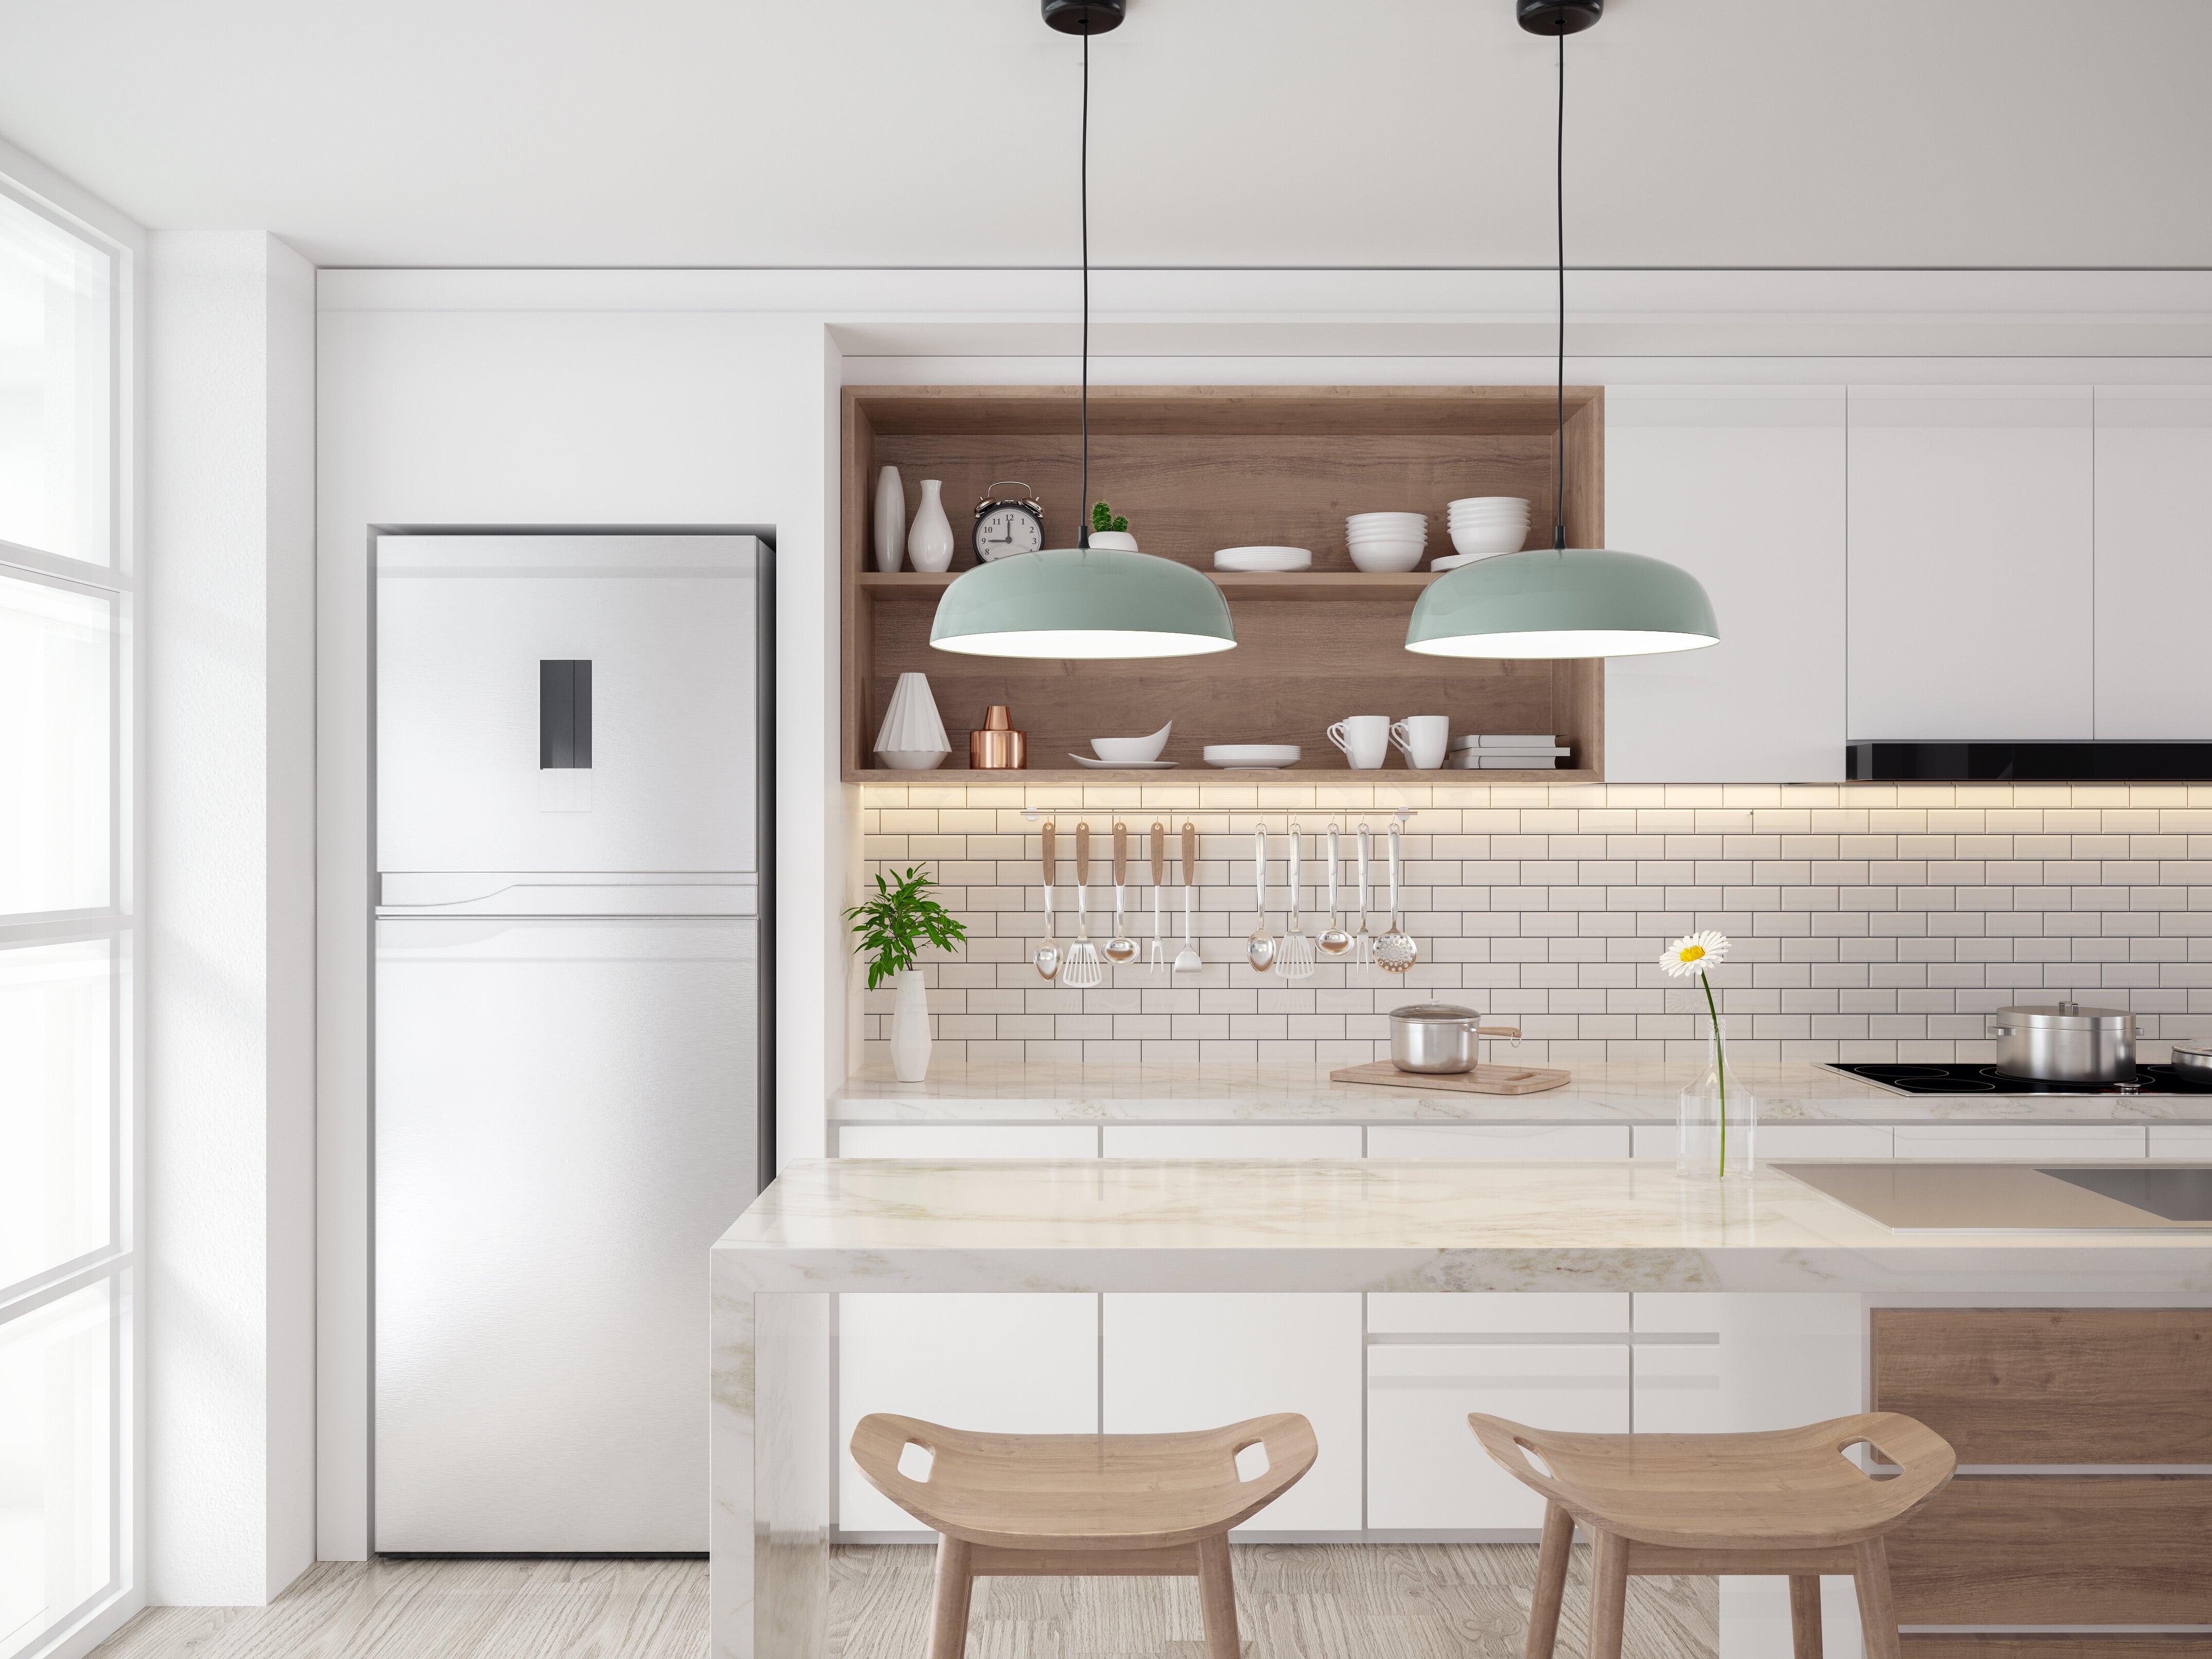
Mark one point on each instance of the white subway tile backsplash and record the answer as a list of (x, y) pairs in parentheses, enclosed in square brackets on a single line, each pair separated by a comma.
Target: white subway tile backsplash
[(1870, 922)]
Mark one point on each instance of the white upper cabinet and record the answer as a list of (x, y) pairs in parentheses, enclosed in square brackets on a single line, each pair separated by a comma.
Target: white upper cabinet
[(2153, 562), (1742, 486), (1971, 567)]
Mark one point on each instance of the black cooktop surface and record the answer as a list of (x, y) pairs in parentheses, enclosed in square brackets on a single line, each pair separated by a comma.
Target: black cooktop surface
[(1965, 1078)]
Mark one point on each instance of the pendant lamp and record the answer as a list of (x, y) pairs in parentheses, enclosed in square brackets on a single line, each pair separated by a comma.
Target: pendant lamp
[(1565, 601), (1082, 602)]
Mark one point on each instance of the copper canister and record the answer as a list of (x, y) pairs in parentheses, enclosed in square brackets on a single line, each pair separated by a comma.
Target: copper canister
[(998, 747)]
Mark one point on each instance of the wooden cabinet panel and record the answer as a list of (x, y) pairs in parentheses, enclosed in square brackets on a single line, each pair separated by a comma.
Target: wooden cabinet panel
[(1971, 579), (2051, 1385), (2153, 560), (2058, 1550), (1742, 486)]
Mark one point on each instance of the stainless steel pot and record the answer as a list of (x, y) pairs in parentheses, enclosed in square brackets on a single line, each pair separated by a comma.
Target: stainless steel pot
[(2193, 1060), (1438, 1037), (2067, 1043)]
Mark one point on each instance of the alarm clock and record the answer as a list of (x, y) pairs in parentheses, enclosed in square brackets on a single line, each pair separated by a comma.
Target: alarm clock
[(1006, 525)]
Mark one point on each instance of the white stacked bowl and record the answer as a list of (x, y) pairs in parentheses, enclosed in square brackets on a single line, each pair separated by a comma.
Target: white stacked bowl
[(1387, 541), (1486, 524)]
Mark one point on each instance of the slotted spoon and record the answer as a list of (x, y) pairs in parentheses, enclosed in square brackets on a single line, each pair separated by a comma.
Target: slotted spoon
[(1082, 968), (1120, 950), (1186, 959), (1333, 940), (1295, 960), (1259, 944), (1396, 951), (1045, 958)]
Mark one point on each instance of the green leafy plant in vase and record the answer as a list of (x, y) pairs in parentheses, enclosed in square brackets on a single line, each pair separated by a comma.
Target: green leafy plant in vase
[(1109, 529), (890, 930)]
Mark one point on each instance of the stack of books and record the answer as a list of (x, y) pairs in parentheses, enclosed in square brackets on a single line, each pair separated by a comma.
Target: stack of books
[(1506, 751)]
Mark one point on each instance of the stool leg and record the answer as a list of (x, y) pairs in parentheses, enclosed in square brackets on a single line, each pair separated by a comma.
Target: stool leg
[(1805, 1616), (1608, 1595), (1551, 1581), (948, 1616), (1217, 1597), (1877, 1606)]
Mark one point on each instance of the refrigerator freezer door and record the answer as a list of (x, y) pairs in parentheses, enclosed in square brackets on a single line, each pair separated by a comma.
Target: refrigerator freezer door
[(565, 1123), (566, 702)]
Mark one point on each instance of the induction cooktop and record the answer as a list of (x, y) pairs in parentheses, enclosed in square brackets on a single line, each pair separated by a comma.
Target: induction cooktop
[(1966, 1077)]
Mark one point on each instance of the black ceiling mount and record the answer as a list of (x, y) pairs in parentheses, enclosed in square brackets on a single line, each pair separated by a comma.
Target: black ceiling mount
[(1544, 16), (1084, 16)]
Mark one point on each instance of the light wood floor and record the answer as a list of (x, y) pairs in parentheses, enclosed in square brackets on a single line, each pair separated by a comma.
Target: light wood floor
[(1303, 1601)]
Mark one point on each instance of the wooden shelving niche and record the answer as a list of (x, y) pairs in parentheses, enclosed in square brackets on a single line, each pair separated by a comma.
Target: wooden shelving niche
[(1198, 468)]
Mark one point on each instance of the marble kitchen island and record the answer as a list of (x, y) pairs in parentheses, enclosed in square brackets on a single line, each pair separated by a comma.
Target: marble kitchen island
[(1382, 1226)]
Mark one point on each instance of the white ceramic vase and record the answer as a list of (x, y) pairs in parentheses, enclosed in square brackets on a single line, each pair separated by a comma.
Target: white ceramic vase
[(909, 1027), (929, 538), (912, 738), (890, 519)]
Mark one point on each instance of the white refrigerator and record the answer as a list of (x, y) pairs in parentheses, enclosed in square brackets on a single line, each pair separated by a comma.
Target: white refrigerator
[(570, 1007)]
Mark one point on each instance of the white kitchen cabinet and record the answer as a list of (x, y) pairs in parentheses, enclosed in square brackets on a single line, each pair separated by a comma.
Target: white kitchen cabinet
[(2153, 560), (1496, 1313), (1971, 581), (2187, 1143), (1233, 1140), (1774, 1141), (1426, 1471), (2012, 1142), (1201, 1361), (1502, 1140), (1011, 1364), (1743, 488)]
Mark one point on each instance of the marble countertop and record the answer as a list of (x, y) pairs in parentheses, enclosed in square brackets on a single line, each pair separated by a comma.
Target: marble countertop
[(1382, 1225), (1600, 1092)]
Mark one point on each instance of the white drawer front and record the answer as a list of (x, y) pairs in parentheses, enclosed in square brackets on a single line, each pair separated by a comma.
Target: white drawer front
[(1511, 1313), (1500, 1140), (1783, 1140), (1424, 1467), (1233, 1140), (2089, 1142), (956, 1141), (2190, 1142)]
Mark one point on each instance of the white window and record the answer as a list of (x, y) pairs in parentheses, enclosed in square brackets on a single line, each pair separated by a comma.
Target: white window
[(68, 1006)]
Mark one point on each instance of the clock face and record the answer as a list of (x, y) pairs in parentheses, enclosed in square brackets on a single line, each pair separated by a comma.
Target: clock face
[(1006, 530)]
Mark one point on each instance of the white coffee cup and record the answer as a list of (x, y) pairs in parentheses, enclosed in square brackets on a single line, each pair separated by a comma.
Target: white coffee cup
[(1421, 739), (1365, 738)]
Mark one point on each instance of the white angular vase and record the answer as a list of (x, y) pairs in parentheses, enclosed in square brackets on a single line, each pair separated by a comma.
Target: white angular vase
[(913, 735), (909, 1027), (929, 538), (890, 519)]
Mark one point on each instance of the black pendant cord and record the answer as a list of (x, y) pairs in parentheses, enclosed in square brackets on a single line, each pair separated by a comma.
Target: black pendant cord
[(1083, 505), (1560, 414)]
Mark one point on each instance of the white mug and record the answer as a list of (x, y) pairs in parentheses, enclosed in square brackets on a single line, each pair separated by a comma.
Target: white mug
[(1421, 739), (1365, 738)]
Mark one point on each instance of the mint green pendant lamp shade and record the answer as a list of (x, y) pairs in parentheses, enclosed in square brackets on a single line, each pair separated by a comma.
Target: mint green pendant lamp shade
[(1562, 602), (1082, 603)]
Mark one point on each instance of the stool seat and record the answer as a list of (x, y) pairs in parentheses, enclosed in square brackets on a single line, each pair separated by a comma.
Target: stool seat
[(1786, 1488)]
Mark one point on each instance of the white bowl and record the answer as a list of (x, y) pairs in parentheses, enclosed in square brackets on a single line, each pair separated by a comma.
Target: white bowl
[(1515, 501), (1380, 560), (1460, 519), (1391, 541), (1480, 543), (912, 759), (1118, 751), (1253, 753), (1263, 559), (1385, 520)]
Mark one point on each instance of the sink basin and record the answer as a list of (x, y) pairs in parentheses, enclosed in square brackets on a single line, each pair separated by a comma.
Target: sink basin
[(2101, 1198)]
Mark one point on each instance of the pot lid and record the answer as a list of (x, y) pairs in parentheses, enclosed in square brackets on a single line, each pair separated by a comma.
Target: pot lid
[(2194, 1046), (1440, 1013), (2069, 1015)]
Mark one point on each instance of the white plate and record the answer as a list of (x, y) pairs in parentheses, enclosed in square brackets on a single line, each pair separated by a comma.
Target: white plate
[(1263, 559), (1122, 766), (1253, 755)]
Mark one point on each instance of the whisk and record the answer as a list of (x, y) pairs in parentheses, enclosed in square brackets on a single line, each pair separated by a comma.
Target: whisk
[(1296, 959)]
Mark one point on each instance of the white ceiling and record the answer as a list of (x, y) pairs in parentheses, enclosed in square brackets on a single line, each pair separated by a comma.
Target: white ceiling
[(1231, 132)]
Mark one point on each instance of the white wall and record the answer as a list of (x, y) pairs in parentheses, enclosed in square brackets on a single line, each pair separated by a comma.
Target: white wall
[(231, 953)]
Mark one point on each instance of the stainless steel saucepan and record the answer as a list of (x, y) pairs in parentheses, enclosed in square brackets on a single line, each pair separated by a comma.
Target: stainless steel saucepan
[(2067, 1043), (1438, 1037)]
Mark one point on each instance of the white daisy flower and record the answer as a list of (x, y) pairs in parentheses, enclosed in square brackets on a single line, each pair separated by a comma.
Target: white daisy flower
[(1695, 953)]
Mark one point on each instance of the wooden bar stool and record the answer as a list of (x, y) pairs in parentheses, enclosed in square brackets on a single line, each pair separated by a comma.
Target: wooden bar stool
[(1785, 1502), (1082, 1506)]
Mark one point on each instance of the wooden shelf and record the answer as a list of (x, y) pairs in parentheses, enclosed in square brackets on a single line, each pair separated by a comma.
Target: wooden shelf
[(1197, 468)]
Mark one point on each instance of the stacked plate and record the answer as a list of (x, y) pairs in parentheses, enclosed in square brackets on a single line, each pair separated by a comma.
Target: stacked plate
[(1387, 541), (1263, 559), (1484, 525), (1252, 757)]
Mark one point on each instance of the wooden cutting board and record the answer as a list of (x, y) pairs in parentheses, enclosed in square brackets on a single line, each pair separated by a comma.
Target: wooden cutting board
[(1482, 1080)]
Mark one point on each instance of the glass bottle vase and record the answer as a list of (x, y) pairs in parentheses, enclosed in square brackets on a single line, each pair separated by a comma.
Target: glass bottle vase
[(1716, 1116)]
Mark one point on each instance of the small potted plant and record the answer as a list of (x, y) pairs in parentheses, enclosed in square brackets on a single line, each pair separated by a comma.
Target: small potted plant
[(1109, 530), (890, 930)]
